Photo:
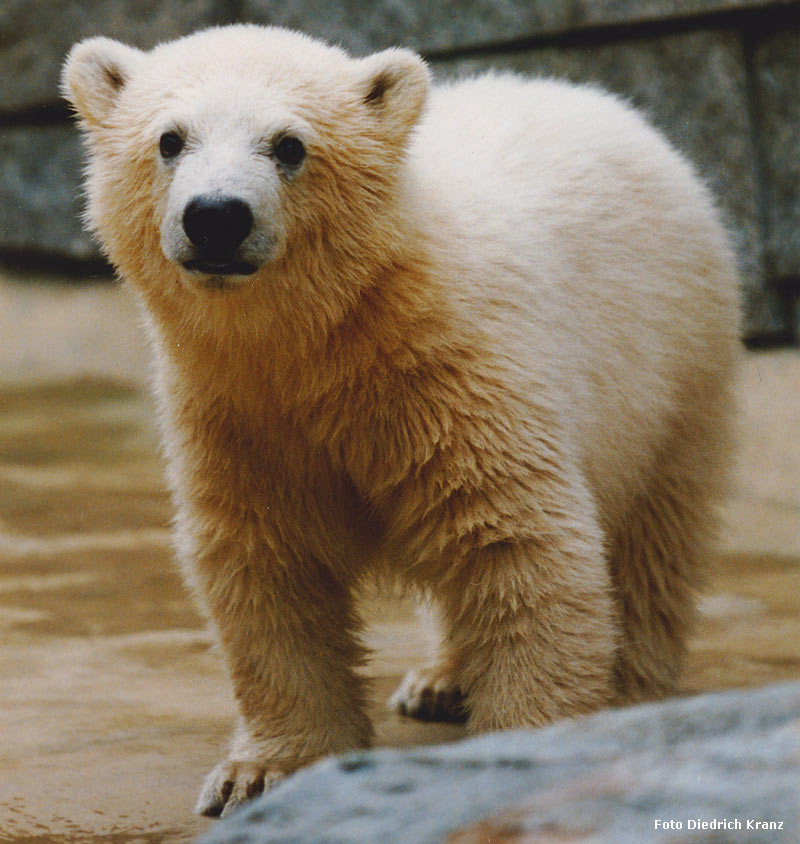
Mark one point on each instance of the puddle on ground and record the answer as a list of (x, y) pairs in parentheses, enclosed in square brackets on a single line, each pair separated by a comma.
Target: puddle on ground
[(114, 705)]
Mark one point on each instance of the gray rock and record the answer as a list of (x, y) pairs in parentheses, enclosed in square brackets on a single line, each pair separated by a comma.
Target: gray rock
[(40, 193), (694, 87), (777, 77), (35, 35), (606, 778), (433, 27)]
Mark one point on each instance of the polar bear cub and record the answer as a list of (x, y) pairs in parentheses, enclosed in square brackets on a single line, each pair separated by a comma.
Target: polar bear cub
[(477, 337)]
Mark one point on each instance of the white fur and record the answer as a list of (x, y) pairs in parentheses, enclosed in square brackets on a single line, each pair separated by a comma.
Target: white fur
[(597, 247), (486, 351)]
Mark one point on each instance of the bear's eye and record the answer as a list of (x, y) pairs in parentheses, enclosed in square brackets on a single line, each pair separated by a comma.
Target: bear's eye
[(170, 145), (289, 151)]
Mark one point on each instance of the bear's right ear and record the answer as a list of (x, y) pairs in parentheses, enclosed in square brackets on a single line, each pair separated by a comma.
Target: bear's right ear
[(95, 72)]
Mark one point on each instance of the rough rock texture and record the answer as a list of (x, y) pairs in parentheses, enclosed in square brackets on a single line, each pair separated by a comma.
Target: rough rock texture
[(40, 177), (35, 35), (777, 62), (733, 756), (446, 26)]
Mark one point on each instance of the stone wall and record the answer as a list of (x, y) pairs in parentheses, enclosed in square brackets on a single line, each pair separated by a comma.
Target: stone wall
[(720, 77)]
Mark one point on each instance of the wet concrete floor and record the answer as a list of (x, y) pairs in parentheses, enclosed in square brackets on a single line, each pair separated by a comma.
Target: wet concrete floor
[(112, 704)]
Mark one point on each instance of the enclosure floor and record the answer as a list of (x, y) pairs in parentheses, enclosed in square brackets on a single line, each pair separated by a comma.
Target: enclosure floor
[(113, 706)]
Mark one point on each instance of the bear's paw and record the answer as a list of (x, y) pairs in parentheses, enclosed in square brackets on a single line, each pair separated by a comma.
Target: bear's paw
[(430, 694), (233, 783)]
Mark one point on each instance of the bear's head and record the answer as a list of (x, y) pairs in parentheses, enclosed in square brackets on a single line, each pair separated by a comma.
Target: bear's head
[(244, 157)]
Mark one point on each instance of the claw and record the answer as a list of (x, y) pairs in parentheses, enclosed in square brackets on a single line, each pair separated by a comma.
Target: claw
[(429, 696), (232, 784)]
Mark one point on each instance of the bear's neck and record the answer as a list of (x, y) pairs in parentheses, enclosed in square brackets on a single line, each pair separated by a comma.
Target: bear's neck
[(255, 349)]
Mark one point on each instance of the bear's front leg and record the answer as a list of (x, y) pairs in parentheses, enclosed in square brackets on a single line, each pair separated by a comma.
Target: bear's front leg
[(533, 626), (287, 630), (530, 623)]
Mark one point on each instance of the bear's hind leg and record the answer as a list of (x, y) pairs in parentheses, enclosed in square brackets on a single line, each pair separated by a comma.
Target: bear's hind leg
[(659, 558), (431, 693)]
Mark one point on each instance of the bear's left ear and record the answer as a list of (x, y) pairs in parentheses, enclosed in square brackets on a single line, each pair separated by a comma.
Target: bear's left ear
[(95, 72), (394, 87)]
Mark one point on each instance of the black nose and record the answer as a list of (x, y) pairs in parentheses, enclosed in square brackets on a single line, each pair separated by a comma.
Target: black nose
[(217, 225)]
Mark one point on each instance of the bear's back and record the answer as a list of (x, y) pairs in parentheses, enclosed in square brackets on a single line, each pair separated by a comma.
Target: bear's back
[(569, 222)]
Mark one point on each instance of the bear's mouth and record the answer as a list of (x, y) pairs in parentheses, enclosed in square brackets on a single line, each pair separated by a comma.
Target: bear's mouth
[(207, 267)]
